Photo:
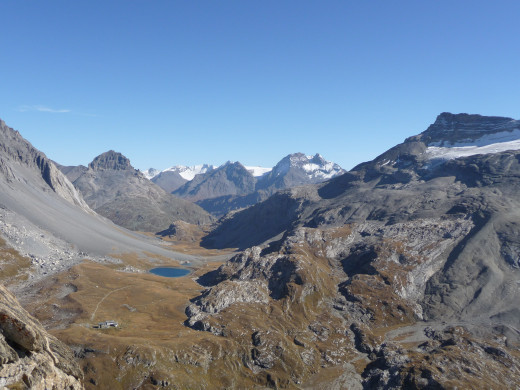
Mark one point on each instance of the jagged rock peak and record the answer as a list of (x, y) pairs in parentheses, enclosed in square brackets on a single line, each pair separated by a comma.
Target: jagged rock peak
[(110, 160), (451, 128)]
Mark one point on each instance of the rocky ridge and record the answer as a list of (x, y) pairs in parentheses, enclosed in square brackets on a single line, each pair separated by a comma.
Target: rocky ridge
[(16, 152), (449, 129), (169, 180), (232, 178)]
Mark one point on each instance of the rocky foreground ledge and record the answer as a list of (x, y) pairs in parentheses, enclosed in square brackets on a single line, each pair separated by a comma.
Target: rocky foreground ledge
[(29, 356)]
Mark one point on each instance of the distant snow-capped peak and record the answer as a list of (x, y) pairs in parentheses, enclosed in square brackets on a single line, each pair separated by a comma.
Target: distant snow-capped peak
[(315, 167), (189, 172), (150, 173)]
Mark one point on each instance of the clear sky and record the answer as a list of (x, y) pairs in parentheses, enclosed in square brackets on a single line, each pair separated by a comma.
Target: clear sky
[(188, 82)]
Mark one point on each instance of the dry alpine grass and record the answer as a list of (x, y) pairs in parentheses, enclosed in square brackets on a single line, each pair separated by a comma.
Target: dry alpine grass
[(151, 343)]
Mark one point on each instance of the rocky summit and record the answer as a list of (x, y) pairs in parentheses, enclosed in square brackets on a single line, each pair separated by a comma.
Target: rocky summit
[(449, 129), (232, 178), (111, 160), (114, 189)]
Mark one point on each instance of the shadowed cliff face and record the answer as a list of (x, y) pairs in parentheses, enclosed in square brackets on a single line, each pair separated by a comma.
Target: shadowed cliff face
[(29, 356)]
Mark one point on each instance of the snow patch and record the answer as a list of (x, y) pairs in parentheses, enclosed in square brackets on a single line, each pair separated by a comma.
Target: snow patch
[(487, 144), (188, 173), (258, 171), (487, 139), (465, 151), (150, 173)]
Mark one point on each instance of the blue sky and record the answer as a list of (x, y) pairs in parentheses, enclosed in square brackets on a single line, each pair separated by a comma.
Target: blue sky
[(187, 82)]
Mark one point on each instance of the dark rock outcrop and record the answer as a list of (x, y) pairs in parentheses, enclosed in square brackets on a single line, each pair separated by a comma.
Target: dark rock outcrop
[(111, 161)]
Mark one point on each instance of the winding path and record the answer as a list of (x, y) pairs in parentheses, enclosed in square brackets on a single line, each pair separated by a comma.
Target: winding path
[(102, 299)]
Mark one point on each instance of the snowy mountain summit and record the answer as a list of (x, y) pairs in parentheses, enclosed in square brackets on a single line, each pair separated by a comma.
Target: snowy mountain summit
[(316, 168), (233, 185), (184, 171), (150, 173), (450, 137), (189, 172), (462, 135)]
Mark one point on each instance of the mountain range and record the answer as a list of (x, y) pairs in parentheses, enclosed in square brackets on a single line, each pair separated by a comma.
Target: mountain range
[(232, 185), (402, 273)]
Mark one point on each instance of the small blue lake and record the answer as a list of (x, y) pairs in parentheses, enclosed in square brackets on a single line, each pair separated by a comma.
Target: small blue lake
[(170, 272)]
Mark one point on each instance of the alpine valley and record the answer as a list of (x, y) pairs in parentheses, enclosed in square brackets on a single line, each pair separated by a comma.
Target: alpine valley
[(403, 272)]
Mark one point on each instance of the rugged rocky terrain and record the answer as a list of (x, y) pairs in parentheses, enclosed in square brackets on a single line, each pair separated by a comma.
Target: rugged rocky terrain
[(114, 189), (30, 358), (47, 231), (411, 260)]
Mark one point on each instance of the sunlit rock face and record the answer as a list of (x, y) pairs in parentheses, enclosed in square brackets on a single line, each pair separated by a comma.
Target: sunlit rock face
[(29, 356)]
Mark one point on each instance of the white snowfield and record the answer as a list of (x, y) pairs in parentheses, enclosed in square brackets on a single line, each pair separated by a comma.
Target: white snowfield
[(326, 171), (489, 143), (189, 173), (151, 173), (258, 171)]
